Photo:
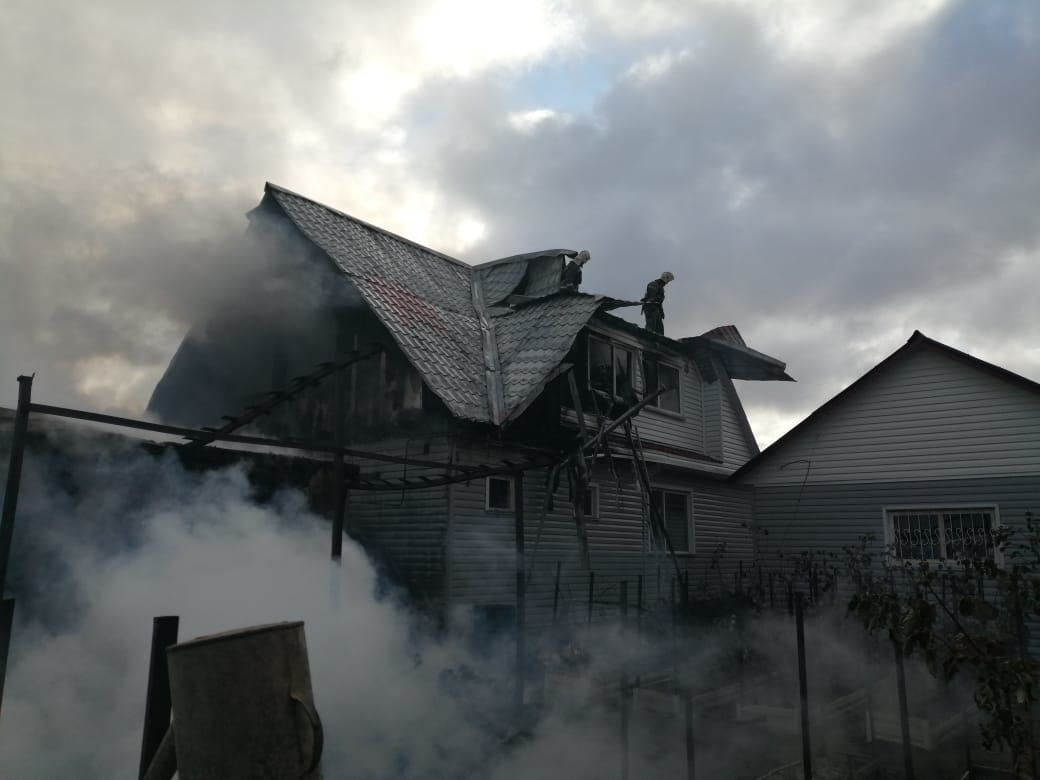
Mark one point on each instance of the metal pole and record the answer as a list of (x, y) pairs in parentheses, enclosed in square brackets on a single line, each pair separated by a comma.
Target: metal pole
[(14, 475), (639, 604), (6, 625), (803, 688), (688, 712), (339, 471), (556, 594), (624, 726), (592, 583), (521, 603), (157, 702), (14, 479), (904, 713)]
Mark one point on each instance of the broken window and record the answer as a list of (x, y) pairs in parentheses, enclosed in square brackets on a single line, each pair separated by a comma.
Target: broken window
[(657, 375), (673, 506), (941, 534), (610, 368), (499, 493)]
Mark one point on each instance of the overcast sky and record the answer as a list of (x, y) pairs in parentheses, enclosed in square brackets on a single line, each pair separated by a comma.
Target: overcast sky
[(828, 176)]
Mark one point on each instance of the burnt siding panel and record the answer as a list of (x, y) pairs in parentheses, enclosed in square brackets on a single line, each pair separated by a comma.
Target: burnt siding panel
[(825, 518), (406, 529), (926, 417)]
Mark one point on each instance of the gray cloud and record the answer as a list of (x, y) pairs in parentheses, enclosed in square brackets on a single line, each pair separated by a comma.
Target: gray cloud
[(826, 209)]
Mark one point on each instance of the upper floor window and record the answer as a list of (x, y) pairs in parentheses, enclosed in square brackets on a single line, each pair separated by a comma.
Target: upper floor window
[(610, 368), (657, 375), (941, 534)]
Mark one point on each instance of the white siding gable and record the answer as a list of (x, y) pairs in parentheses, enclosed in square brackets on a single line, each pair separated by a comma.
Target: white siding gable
[(927, 415)]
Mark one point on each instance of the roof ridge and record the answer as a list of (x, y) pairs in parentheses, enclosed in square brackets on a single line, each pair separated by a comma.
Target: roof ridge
[(268, 186)]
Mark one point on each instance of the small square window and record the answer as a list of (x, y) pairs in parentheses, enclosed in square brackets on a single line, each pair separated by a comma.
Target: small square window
[(499, 493), (591, 502)]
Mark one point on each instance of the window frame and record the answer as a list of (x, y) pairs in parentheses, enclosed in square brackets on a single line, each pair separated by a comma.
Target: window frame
[(592, 492), (661, 361), (888, 513), (691, 535), (512, 495), (613, 346)]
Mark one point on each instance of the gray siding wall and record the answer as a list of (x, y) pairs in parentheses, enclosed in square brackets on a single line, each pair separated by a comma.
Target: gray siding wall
[(482, 543), (825, 517), (406, 528), (927, 417)]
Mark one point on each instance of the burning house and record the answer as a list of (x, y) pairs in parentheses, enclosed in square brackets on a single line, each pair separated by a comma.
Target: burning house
[(519, 425)]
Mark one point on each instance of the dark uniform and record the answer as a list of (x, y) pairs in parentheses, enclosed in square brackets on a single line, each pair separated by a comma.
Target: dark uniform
[(571, 278), (653, 306)]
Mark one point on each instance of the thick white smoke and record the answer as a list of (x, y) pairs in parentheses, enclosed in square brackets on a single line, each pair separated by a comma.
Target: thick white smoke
[(110, 537)]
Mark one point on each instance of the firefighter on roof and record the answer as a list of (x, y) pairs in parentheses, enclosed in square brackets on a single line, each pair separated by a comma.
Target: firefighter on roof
[(653, 303), (570, 280)]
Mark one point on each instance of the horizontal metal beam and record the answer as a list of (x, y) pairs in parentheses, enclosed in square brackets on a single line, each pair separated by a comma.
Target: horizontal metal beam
[(234, 438)]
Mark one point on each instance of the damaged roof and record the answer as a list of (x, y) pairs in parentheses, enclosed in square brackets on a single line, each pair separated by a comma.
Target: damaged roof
[(485, 338), (452, 320)]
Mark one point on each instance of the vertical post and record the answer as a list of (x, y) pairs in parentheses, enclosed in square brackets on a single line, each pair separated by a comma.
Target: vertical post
[(521, 603), (339, 475), (639, 604), (6, 627), (592, 585), (623, 690), (803, 687), (14, 478), (14, 475), (623, 600), (688, 718), (904, 713), (157, 701), (556, 594)]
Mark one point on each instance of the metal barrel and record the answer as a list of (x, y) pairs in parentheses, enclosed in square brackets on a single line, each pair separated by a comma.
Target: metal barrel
[(243, 706)]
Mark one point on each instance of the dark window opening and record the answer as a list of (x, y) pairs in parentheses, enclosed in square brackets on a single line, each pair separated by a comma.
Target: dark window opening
[(499, 493)]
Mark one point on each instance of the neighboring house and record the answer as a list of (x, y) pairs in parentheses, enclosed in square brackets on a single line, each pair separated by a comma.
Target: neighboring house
[(477, 368), (928, 452)]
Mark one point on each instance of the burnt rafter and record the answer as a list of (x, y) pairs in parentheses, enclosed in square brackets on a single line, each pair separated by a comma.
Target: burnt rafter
[(278, 397)]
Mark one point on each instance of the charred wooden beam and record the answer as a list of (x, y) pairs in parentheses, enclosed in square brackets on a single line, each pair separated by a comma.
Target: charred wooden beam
[(277, 397)]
